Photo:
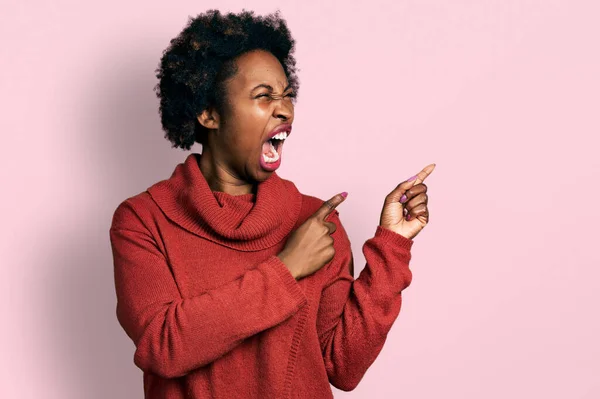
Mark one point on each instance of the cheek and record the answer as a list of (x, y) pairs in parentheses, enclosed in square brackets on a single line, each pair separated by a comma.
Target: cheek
[(260, 109), (248, 122), (243, 143)]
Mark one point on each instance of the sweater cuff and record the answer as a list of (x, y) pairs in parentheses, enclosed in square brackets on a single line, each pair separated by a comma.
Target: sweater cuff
[(395, 238), (288, 280)]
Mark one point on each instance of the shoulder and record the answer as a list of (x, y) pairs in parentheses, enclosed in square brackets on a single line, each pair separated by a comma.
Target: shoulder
[(134, 212)]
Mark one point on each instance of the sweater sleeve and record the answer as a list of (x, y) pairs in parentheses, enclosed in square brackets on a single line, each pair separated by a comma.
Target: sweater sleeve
[(355, 315), (175, 335)]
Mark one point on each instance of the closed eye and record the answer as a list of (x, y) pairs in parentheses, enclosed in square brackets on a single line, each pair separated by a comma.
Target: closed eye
[(291, 95)]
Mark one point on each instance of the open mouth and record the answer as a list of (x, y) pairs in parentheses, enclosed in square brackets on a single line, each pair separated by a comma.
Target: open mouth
[(272, 148)]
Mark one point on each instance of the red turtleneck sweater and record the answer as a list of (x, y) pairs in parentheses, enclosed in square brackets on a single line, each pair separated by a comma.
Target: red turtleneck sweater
[(214, 313)]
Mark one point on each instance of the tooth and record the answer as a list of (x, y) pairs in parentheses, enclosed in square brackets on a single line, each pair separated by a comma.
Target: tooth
[(280, 136)]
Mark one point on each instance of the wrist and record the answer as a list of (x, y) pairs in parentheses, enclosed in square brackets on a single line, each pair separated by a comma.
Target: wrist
[(283, 258)]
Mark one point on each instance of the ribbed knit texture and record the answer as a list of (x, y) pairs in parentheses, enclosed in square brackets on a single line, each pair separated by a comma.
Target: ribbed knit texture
[(234, 221), (214, 313)]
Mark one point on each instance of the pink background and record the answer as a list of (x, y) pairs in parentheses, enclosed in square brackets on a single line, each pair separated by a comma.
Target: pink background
[(503, 95)]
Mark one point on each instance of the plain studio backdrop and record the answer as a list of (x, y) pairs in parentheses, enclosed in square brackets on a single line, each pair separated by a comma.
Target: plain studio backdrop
[(501, 94)]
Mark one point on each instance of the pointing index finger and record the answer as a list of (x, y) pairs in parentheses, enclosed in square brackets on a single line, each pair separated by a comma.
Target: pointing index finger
[(328, 206), (422, 175)]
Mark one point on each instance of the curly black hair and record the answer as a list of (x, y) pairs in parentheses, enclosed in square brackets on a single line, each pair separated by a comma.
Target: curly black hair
[(195, 67)]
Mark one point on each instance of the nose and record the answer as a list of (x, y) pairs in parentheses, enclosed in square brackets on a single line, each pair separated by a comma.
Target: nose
[(284, 111)]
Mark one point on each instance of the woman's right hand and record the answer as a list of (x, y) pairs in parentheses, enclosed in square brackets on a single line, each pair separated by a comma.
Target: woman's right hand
[(310, 247)]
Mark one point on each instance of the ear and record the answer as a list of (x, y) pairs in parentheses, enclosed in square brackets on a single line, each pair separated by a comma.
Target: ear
[(209, 118)]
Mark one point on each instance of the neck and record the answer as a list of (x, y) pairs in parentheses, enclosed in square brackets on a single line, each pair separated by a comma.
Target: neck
[(220, 177)]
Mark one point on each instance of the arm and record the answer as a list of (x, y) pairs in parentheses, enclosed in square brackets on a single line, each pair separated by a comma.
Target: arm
[(175, 335), (355, 316)]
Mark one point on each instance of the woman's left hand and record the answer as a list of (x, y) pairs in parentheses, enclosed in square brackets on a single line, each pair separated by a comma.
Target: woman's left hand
[(405, 209)]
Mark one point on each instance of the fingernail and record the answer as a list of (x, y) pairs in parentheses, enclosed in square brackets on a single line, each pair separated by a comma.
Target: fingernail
[(403, 198), (412, 178), (344, 194), (408, 217)]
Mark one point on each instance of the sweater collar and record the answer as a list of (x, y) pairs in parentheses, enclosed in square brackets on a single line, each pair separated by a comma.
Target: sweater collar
[(246, 222)]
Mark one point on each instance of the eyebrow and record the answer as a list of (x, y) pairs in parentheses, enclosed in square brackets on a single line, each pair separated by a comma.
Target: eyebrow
[(269, 87)]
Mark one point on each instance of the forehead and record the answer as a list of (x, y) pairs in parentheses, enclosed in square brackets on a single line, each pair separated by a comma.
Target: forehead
[(257, 67)]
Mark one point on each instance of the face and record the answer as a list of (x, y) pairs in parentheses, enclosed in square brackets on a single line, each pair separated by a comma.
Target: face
[(260, 101)]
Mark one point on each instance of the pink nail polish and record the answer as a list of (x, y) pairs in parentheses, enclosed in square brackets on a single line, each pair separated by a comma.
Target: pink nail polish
[(412, 178), (344, 194), (403, 198), (408, 217)]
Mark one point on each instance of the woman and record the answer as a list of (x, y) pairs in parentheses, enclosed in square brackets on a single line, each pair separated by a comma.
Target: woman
[(230, 282)]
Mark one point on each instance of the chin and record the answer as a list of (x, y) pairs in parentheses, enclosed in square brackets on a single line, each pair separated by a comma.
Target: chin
[(262, 175)]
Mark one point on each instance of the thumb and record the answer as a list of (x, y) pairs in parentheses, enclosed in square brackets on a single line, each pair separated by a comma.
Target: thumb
[(329, 205)]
